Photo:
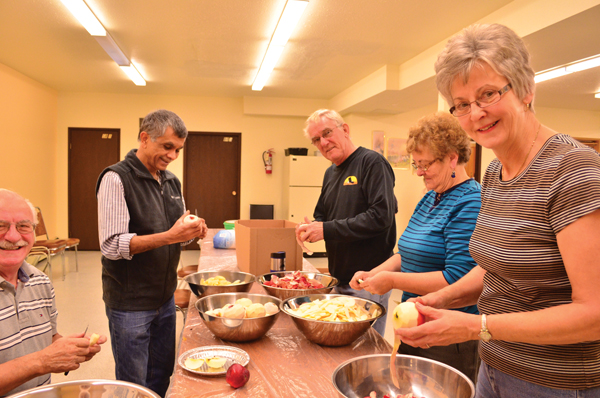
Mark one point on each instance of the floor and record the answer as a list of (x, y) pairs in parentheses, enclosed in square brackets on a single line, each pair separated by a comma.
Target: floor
[(80, 305)]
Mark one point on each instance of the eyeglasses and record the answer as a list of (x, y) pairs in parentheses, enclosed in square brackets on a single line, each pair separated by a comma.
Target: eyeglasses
[(423, 167), (23, 227), (488, 98), (316, 141)]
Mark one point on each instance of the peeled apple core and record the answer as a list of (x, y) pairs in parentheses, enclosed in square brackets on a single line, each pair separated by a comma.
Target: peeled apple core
[(94, 339), (194, 363), (216, 362)]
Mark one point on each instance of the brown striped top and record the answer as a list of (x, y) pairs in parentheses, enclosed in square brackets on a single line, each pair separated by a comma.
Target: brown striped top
[(515, 242)]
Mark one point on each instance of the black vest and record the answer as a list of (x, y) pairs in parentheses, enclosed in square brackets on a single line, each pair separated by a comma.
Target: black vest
[(149, 279)]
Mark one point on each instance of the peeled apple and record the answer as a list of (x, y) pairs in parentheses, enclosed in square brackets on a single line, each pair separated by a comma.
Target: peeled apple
[(190, 218), (405, 315)]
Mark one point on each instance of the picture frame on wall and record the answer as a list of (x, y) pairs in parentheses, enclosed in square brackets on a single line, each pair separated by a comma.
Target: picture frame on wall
[(396, 153), (378, 142)]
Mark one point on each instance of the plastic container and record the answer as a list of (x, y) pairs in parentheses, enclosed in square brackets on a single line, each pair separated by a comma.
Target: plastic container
[(225, 239)]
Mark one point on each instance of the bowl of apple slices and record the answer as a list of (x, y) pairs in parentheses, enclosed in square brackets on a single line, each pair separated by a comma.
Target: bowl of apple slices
[(286, 284)]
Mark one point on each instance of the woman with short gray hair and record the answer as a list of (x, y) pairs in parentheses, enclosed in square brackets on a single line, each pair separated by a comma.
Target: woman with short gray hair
[(536, 238)]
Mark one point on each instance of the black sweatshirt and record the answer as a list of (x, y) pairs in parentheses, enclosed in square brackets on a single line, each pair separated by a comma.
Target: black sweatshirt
[(358, 207)]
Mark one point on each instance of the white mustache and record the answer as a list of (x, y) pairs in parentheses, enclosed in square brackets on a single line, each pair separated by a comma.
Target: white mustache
[(12, 246)]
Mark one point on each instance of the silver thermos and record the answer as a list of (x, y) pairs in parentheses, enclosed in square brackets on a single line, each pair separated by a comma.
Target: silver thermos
[(278, 262)]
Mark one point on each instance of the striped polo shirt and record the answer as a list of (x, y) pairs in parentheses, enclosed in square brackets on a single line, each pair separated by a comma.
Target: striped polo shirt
[(438, 233), (515, 242), (27, 318)]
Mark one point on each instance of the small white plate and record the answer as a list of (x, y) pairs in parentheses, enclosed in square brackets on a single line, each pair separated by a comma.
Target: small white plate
[(232, 354)]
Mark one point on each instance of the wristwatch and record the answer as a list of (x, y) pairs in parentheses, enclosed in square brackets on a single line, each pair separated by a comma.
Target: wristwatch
[(484, 334)]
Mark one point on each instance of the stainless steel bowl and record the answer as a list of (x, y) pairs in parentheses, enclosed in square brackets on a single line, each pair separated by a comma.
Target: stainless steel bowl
[(205, 290), (239, 330), (331, 333), (358, 377), (326, 280), (88, 389)]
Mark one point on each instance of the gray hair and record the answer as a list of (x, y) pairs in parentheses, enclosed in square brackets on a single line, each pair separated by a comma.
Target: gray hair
[(156, 124), (8, 192), (323, 113), (496, 45)]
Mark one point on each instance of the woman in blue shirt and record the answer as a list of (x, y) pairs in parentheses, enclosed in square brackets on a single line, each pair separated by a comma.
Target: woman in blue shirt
[(433, 251)]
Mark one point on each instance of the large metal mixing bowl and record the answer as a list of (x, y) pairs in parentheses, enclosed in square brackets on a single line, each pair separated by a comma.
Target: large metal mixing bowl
[(358, 377), (326, 280), (332, 333), (89, 389), (206, 290), (239, 330)]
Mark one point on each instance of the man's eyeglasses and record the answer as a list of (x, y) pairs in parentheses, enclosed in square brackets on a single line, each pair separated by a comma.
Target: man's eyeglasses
[(316, 140), (23, 227), (424, 167), (488, 98)]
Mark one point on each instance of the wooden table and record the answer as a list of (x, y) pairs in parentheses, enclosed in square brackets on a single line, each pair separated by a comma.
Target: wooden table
[(282, 364)]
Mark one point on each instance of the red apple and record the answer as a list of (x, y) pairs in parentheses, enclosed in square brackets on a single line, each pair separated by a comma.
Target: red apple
[(237, 375)]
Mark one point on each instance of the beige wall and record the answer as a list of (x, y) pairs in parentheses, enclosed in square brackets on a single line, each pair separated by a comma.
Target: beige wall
[(259, 133), (39, 119), (29, 141)]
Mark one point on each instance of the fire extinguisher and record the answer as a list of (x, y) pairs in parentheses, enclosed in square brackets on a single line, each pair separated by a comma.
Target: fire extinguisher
[(268, 160)]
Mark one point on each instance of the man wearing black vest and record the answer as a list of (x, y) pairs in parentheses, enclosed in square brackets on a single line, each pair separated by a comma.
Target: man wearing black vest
[(141, 223)]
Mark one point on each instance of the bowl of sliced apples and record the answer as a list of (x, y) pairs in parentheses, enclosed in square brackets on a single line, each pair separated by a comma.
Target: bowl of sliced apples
[(206, 283), (332, 319)]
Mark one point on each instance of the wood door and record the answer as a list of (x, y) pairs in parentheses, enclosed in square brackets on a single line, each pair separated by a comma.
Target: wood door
[(211, 176), (473, 166), (91, 150)]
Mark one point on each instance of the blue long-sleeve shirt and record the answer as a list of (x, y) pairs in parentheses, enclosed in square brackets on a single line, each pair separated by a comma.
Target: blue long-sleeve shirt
[(438, 233)]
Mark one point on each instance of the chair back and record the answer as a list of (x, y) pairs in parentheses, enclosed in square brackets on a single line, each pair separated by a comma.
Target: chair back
[(40, 229)]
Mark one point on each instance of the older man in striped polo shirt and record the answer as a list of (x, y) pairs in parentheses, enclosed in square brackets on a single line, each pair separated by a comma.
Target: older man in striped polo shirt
[(30, 346)]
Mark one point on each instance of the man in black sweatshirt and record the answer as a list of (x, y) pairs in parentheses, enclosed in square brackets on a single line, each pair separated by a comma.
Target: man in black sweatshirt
[(356, 210)]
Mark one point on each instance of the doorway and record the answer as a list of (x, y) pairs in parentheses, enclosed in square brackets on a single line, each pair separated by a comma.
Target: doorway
[(211, 176), (91, 150)]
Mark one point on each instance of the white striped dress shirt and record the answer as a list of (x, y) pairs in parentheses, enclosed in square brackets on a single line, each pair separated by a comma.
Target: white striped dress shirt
[(113, 218)]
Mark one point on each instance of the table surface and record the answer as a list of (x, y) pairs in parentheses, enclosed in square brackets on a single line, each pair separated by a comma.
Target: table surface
[(282, 364)]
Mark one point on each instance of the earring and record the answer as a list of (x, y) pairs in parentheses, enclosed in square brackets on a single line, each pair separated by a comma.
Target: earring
[(453, 174)]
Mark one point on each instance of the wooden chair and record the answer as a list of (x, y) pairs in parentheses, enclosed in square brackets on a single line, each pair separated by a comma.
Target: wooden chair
[(53, 246)]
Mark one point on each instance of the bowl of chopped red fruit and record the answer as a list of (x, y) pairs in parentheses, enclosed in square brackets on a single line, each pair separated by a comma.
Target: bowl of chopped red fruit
[(286, 284), (369, 377)]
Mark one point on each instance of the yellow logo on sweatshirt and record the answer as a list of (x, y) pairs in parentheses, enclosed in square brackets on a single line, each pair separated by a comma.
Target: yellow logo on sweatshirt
[(351, 181)]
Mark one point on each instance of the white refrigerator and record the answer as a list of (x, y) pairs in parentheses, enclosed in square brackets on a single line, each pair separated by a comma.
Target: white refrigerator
[(303, 177)]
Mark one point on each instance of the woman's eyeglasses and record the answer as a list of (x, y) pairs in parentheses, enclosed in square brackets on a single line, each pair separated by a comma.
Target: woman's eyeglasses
[(424, 167), (488, 98)]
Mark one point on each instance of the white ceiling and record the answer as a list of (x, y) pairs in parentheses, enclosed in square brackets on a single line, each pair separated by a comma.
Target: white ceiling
[(214, 47)]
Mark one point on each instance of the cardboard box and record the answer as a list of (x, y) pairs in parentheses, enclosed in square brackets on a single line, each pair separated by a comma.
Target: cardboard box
[(255, 240)]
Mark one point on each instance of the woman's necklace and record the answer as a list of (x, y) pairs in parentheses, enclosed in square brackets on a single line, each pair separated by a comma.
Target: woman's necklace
[(530, 148)]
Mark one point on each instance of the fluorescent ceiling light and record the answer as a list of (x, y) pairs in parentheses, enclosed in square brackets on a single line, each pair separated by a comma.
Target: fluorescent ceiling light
[(584, 64), (287, 22), (134, 75), (112, 49), (85, 16), (543, 76), (577, 66)]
